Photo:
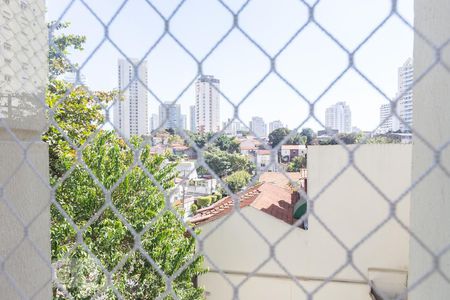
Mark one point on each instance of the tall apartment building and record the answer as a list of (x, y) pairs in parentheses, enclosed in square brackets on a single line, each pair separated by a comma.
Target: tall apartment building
[(183, 122), (405, 102), (131, 113), (192, 118), (154, 122), (258, 127), (170, 116), (207, 104), (389, 123), (22, 72), (339, 117), (275, 125)]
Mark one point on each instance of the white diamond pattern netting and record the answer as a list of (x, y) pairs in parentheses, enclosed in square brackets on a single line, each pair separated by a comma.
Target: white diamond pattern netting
[(82, 229)]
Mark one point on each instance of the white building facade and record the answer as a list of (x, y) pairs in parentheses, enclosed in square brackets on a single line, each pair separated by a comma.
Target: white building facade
[(339, 117), (405, 94), (170, 116), (258, 127), (275, 125), (313, 255), (388, 122), (154, 122), (131, 112), (207, 104), (192, 119)]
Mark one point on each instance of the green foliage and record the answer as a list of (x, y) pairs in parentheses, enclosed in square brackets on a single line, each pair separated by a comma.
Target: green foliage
[(277, 136), (228, 144), (194, 208), (213, 198), (223, 142), (133, 194), (59, 47), (204, 201), (224, 163), (309, 134), (218, 195), (297, 164), (238, 180), (346, 138), (175, 139), (384, 139), (200, 139), (78, 114)]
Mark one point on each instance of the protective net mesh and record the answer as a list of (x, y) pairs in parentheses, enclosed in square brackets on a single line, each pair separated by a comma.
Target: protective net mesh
[(119, 227)]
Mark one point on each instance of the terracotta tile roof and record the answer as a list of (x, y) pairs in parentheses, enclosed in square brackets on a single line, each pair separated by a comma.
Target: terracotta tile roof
[(266, 197)]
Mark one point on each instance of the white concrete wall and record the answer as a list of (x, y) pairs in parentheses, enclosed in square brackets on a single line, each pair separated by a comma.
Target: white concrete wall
[(430, 203), (350, 207), (24, 195)]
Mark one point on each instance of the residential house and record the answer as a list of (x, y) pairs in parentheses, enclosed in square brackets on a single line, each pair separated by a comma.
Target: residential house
[(289, 152), (182, 150), (264, 159)]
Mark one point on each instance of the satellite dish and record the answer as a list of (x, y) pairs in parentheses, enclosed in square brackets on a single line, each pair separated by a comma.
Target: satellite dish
[(285, 158)]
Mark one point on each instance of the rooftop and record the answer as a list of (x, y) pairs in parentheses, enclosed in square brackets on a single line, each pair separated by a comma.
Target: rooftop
[(283, 179), (292, 147), (266, 197)]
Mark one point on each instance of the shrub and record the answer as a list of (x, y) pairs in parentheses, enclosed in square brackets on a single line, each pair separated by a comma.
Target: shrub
[(237, 181), (204, 201), (218, 195), (194, 209)]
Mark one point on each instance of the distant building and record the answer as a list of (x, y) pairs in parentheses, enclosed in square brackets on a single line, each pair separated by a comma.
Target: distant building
[(275, 125), (388, 122), (258, 127), (405, 102), (339, 117), (131, 114), (207, 104), (154, 122), (232, 128), (170, 116), (192, 118), (183, 122), (263, 160)]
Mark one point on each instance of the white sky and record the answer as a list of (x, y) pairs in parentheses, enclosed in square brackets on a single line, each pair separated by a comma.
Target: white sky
[(310, 63)]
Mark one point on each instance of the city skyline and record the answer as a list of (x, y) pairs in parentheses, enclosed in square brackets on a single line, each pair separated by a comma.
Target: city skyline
[(311, 62)]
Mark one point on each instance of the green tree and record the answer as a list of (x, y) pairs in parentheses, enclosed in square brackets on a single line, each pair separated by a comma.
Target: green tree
[(309, 134), (297, 164), (228, 144), (276, 136), (77, 113), (139, 201), (59, 48), (384, 139), (224, 163), (238, 180)]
